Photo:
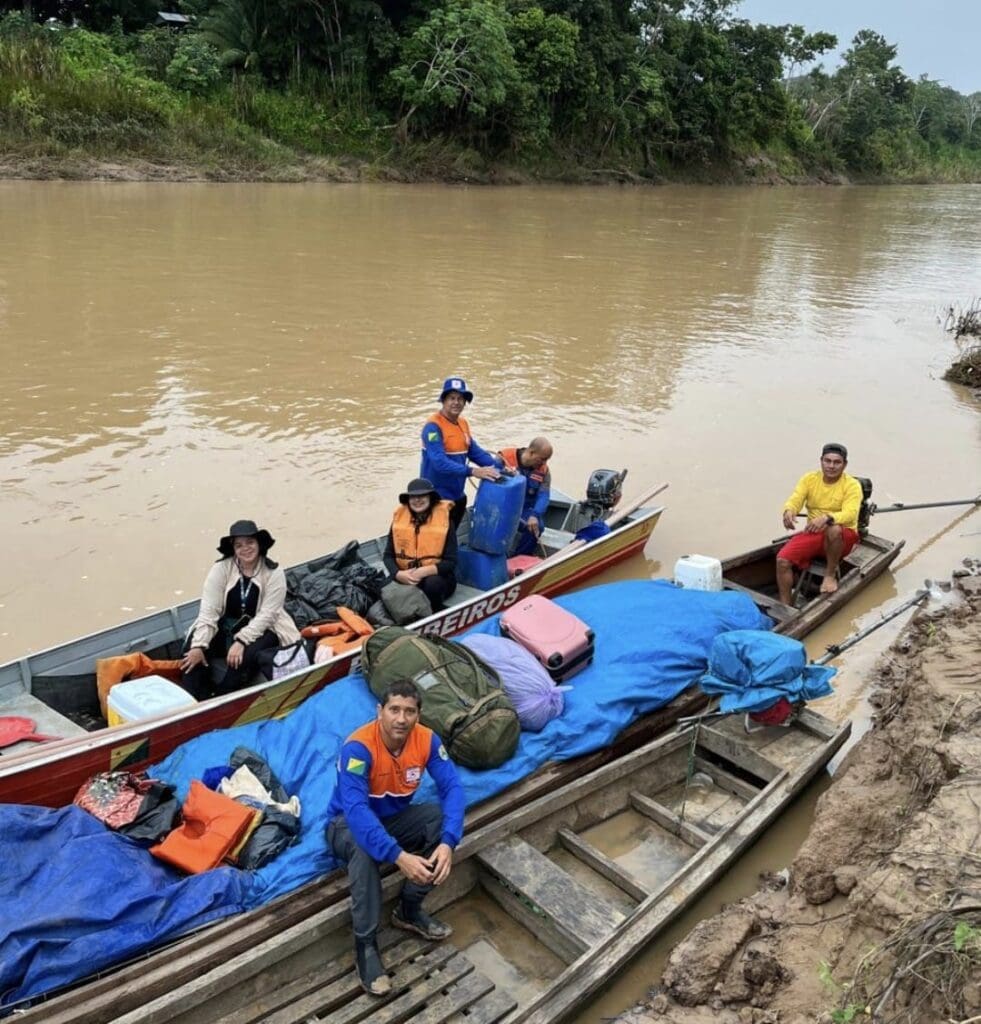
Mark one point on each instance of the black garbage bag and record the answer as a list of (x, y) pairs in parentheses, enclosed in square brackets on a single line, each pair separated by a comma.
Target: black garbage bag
[(301, 612), (342, 578), (157, 816), (328, 593), (277, 830)]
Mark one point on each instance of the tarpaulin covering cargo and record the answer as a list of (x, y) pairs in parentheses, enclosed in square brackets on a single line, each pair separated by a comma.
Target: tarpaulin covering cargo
[(78, 897)]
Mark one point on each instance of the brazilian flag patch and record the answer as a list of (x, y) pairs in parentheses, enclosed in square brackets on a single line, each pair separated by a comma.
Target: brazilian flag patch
[(355, 766)]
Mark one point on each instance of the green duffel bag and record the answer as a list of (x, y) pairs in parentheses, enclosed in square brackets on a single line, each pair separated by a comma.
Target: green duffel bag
[(462, 699)]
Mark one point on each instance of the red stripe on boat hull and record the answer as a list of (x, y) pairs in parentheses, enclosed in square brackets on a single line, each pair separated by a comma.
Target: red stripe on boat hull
[(52, 775)]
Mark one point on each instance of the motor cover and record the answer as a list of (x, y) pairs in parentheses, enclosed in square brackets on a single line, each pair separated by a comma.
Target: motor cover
[(605, 488)]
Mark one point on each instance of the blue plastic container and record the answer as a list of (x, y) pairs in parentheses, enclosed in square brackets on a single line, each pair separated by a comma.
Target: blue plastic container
[(479, 569), (496, 513)]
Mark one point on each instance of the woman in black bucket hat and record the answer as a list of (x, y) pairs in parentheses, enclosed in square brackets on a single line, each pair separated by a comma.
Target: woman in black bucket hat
[(421, 547), (241, 614)]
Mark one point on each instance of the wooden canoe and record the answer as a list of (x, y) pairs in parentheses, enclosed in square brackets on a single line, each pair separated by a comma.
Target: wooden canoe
[(754, 573), (57, 687), (547, 902), (190, 959)]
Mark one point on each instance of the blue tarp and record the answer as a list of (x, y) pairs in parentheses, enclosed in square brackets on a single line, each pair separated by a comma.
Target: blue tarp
[(753, 670), (78, 898)]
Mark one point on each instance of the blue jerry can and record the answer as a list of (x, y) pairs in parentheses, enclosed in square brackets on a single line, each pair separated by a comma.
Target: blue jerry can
[(496, 513), (479, 569)]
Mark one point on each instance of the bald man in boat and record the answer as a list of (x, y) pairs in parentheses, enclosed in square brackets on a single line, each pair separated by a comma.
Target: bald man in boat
[(532, 464), (373, 821), (832, 499)]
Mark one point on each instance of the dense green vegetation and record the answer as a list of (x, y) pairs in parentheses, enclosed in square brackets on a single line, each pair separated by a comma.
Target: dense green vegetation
[(557, 88)]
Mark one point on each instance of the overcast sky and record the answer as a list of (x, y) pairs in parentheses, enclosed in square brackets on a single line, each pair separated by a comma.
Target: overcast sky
[(941, 39)]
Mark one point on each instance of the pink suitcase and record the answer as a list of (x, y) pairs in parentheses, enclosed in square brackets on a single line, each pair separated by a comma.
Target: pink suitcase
[(560, 641), (517, 564)]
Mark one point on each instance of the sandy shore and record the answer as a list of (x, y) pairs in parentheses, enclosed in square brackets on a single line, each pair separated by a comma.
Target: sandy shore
[(879, 916)]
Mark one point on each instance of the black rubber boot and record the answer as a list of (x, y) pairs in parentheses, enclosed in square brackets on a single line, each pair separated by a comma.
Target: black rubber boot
[(371, 972), (412, 918)]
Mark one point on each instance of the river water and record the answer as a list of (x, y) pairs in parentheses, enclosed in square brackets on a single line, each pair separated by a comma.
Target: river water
[(177, 357)]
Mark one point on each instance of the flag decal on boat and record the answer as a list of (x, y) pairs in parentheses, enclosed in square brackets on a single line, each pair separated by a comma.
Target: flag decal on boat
[(128, 754)]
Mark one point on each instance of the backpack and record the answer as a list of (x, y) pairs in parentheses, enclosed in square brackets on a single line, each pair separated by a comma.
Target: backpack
[(462, 699)]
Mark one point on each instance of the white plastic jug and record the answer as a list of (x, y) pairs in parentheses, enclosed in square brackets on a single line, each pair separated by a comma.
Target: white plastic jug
[(698, 572)]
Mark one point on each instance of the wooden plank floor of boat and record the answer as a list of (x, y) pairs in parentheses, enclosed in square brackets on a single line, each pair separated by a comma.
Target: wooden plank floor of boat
[(432, 983)]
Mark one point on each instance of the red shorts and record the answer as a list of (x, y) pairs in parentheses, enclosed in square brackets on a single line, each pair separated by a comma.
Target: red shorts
[(803, 547)]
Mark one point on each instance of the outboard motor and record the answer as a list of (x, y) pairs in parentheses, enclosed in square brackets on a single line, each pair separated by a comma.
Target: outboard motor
[(867, 507), (603, 493), (605, 489)]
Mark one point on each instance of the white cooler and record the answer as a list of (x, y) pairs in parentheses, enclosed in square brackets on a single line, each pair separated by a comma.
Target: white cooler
[(698, 572), (145, 698)]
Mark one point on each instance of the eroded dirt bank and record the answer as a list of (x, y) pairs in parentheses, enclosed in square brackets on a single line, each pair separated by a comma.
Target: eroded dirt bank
[(880, 917)]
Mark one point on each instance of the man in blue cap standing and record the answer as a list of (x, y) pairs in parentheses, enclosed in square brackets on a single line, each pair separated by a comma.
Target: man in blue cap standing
[(448, 447)]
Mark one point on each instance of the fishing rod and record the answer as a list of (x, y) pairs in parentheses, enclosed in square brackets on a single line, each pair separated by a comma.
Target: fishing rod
[(833, 650)]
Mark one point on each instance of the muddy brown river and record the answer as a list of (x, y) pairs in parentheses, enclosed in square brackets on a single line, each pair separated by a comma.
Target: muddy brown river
[(179, 356)]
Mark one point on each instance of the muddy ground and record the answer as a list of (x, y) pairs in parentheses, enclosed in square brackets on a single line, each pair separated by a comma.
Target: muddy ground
[(879, 916)]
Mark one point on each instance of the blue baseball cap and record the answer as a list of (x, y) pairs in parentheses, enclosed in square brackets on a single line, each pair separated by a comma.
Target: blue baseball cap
[(456, 384)]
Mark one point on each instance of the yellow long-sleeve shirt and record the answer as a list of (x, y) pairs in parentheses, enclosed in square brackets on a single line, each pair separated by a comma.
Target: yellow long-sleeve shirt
[(842, 499)]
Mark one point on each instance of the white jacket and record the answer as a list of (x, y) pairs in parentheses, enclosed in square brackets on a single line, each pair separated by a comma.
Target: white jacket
[(270, 613)]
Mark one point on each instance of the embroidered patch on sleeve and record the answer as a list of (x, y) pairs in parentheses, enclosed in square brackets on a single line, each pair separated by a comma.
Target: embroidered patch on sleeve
[(355, 766), (433, 435), (442, 753)]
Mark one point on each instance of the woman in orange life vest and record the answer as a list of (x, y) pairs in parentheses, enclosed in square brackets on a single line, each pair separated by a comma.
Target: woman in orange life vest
[(421, 548)]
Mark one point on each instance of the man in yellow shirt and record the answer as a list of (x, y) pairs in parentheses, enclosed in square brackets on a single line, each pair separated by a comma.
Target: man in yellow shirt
[(832, 499)]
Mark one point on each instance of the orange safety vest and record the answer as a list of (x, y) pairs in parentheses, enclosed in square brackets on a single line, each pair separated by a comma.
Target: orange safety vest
[(212, 827), (391, 776), (510, 456), (418, 544), (456, 436)]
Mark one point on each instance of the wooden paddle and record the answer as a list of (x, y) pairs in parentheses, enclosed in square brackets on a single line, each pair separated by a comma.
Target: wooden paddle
[(617, 516)]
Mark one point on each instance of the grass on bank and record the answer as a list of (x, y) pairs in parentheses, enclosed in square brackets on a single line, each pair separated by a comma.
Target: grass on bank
[(78, 96)]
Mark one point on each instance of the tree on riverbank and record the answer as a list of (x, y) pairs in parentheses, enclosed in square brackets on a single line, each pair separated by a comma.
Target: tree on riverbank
[(659, 87)]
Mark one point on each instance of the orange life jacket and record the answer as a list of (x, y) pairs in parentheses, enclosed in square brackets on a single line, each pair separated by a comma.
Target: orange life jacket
[(346, 622), (418, 544), (536, 476), (212, 827), (456, 436), (392, 778)]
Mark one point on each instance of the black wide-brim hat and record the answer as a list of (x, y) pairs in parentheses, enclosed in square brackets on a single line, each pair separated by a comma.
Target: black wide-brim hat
[(416, 489), (245, 528)]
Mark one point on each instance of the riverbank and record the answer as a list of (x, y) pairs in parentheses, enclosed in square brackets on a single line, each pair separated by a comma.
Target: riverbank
[(271, 163), (274, 163), (879, 915)]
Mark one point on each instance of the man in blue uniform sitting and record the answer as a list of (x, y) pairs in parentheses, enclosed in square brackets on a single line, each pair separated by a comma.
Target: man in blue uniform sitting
[(373, 821)]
